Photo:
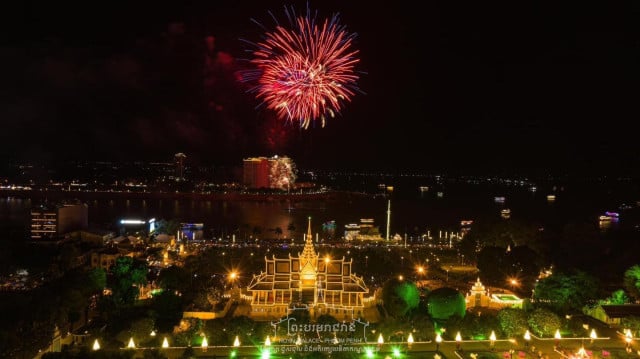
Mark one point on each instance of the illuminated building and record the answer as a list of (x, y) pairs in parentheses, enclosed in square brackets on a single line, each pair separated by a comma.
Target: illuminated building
[(51, 221), (365, 231), (479, 297), (323, 285), (255, 172), (190, 231), (274, 172), (179, 161)]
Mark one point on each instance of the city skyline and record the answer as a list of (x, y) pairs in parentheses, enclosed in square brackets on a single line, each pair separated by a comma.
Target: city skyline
[(485, 87)]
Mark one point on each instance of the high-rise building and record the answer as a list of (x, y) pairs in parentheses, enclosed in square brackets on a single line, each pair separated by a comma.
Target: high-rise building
[(179, 159), (256, 172), (273, 172), (51, 221)]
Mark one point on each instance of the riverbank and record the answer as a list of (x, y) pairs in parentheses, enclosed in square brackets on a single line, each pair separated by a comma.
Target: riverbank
[(218, 196)]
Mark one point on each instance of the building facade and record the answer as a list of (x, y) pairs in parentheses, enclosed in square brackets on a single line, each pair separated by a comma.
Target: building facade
[(51, 221), (255, 172), (321, 285), (273, 172)]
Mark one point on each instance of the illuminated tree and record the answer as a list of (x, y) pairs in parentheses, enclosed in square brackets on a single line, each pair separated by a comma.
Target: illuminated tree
[(400, 297), (544, 322), (566, 292), (443, 303), (631, 281), (619, 297), (512, 321), (631, 322), (127, 276)]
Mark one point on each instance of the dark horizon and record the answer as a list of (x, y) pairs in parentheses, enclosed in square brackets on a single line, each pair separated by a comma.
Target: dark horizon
[(484, 88)]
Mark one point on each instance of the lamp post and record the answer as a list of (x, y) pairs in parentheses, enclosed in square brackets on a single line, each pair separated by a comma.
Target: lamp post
[(410, 340), (96, 345), (165, 343), (438, 341), (380, 340), (458, 340), (236, 342), (593, 335), (627, 338), (492, 339), (204, 345), (131, 344), (557, 337), (527, 338)]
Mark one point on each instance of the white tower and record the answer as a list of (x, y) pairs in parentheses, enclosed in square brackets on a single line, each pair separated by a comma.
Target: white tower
[(388, 218)]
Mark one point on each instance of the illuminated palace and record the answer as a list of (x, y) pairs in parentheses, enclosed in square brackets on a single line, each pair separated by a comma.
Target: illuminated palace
[(323, 285)]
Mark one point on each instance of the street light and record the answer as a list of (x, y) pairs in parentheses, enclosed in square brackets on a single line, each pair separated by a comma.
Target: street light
[(527, 337), (165, 343), (410, 340), (236, 342), (492, 338), (593, 335), (205, 344), (458, 340), (267, 342), (557, 337), (438, 341), (627, 338), (380, 339), (96, 345), (131, 344)]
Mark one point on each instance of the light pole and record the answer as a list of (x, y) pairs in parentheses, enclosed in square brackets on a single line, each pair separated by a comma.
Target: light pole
[(438, 341), (492, 339), (458, 340), (557, 337), (527, 337)]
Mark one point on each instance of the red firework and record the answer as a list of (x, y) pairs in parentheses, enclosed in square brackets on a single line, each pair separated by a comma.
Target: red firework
[(306, 72)]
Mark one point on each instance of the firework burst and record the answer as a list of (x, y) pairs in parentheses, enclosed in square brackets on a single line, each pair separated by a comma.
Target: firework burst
[(305, 72)]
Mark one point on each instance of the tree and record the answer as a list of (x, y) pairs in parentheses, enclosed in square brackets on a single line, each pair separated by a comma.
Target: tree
[(127, 276), (544, 322), (167, 227), (631, 322), (492, 261), (631, 281), (512, 321), (174, 278), (167, 310), (399, 297), (566, 292), (96, 280), (619, 297), (443, 303), (141, 329), (478, 324)]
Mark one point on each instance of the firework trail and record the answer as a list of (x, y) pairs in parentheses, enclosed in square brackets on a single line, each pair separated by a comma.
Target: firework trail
[(305, 72)]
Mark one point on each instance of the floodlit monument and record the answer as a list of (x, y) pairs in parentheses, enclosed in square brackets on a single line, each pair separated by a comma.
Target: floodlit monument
[(321, 285), (479, 297)]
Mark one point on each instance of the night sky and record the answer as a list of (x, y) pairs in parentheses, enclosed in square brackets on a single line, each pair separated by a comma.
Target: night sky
[(449, 86)]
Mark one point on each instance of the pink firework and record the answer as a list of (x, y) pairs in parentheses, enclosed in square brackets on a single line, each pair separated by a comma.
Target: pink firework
[(306, 72)]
